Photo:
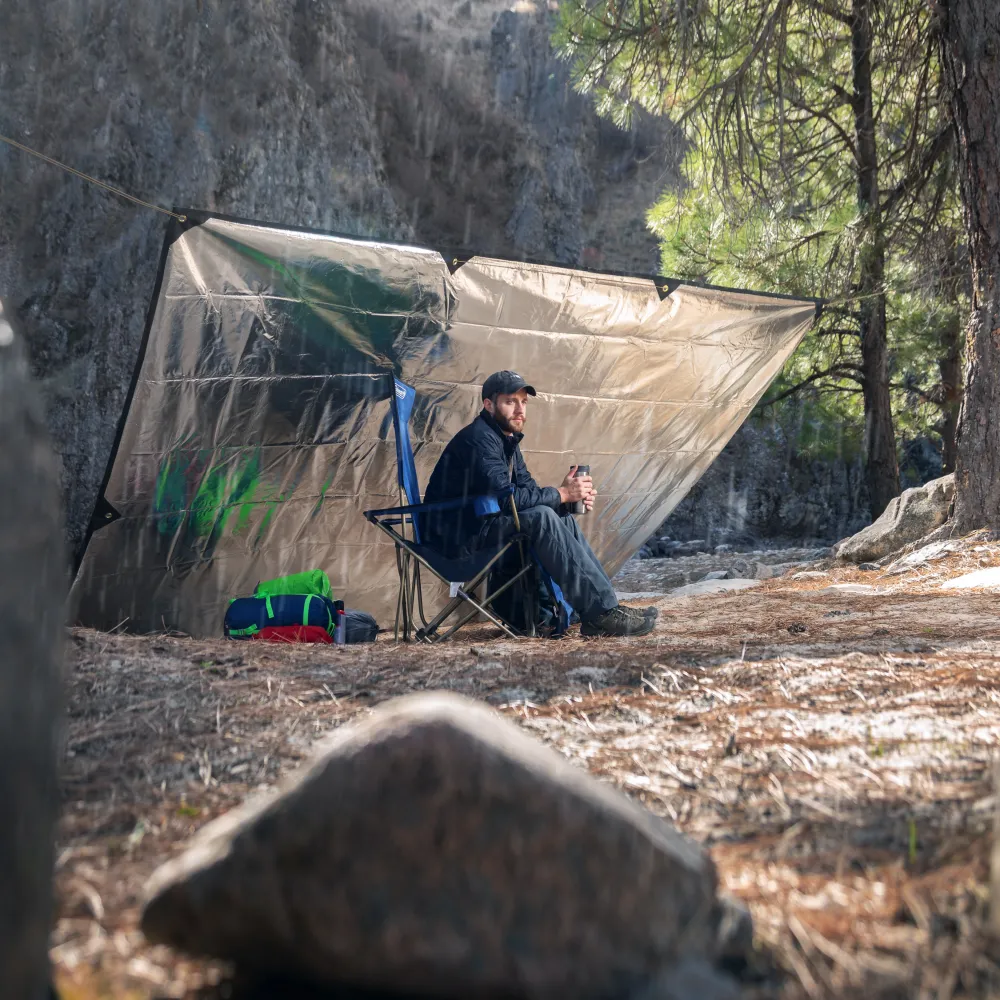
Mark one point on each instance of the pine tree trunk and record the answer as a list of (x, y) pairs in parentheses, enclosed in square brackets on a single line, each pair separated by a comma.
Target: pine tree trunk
[(970, 52), (950, 370), (881, 467)]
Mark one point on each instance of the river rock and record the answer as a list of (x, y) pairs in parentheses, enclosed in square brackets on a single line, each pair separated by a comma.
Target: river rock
[(987, 578), (703, 587), (780, 569), (921, 557), (909, 517), (754, 569), (32, 616), (436, 848)]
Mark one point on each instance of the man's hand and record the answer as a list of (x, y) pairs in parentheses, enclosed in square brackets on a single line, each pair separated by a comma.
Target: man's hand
[(575, 488)]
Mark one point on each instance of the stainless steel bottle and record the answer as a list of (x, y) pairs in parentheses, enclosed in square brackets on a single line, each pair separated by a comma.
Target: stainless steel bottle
[(576, 507)]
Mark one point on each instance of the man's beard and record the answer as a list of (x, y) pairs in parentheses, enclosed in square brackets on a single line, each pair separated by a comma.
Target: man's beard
[(506, 426)]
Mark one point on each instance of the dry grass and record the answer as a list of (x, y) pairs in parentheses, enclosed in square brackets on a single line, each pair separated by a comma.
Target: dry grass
[(831, 751)]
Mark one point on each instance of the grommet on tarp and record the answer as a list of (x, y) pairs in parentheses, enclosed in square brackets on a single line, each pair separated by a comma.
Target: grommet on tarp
[(452, 260), (104, 514), (666, 287)]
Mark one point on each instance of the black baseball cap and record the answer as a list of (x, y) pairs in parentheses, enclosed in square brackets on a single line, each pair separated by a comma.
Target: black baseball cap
[(507, 382)]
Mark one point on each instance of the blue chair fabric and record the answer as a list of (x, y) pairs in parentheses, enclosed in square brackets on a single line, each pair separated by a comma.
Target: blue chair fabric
[(406, 468)]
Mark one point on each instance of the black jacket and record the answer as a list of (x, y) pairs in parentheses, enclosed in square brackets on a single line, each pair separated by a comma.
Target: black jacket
[(476, 462)]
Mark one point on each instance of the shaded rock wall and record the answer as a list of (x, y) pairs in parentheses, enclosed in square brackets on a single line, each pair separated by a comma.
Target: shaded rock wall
[(253, 109), (488, 147), (581, 196), (765, 488), (451, 125), (761, 489)]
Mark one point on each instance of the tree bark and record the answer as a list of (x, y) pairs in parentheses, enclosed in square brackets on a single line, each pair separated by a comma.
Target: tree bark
[(950, 370), (969, 33), (881, 466)]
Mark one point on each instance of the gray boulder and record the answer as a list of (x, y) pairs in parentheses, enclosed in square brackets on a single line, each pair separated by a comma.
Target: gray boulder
[(703, 587), (988, 579), (435, 848), (849, 588), (909, 517), (32, 594), (751, 569)]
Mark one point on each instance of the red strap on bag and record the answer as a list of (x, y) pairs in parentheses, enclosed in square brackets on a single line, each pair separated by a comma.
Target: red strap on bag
[(293, 633)]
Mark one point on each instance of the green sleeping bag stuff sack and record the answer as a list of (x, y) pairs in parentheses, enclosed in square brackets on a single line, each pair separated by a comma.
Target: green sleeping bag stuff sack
[(312, 581)]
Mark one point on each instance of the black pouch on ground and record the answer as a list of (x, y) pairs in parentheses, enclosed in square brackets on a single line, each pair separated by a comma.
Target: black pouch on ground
[(359, 626)]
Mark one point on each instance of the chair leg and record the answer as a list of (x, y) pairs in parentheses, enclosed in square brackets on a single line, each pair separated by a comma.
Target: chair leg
[(490, 598), (430, 628), (404, 599), (408, 596), (399, 593), (477, 608), (415, 594), (407, 605), (418, 586)]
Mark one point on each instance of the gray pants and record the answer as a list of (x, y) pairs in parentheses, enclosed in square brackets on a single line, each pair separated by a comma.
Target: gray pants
[(563, 552)]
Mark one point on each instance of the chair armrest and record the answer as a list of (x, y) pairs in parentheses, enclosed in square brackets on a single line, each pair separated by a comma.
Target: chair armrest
[(487, 501)]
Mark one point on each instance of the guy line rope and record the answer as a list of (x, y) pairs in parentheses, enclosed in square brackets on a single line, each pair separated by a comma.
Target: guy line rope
[(93, 180)]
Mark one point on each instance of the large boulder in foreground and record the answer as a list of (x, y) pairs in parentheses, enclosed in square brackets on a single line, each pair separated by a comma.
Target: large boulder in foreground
[(436, 849), (908, 518), (32, 616)]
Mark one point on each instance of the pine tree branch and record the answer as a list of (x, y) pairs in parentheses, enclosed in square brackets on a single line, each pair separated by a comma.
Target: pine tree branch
[(829, 119), (830, 10), (934, 396), (841, 370), (913, 183)]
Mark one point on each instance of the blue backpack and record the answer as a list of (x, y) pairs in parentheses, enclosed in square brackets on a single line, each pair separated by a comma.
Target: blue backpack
[(246, 616)]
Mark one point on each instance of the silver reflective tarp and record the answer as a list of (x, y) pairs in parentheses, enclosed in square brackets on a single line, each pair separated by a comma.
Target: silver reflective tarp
[(260, 425)]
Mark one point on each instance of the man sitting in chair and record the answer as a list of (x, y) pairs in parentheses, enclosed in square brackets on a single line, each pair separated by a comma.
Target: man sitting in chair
[(485, 457)]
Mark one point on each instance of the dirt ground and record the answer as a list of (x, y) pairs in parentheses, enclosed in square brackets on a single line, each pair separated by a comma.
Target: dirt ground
[(833, 752)]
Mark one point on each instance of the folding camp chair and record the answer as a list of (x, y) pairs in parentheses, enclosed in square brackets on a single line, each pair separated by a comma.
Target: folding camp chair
[(462, 575)]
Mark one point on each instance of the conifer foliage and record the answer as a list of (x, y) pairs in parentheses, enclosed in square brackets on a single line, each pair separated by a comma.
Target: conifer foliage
[(820, 161)]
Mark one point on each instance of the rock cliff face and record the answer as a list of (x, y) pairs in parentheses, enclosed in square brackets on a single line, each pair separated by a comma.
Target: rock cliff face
[(254, 109), (760, 490), (489, 149), (448, 124), (765, 489)]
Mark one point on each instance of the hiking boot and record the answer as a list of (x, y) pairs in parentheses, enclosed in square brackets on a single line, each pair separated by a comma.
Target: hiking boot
[(650, 612), (618, 621)]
